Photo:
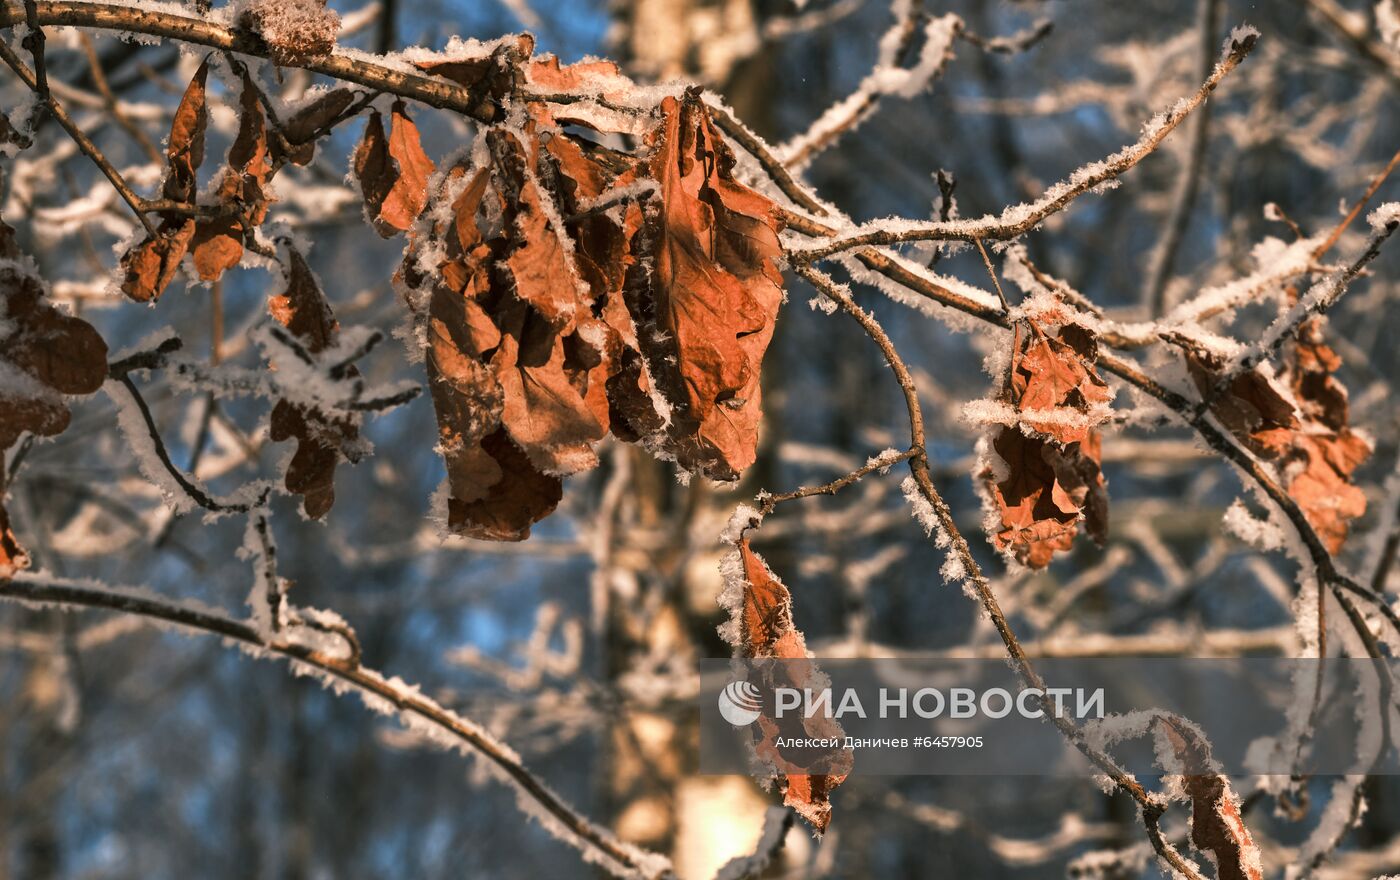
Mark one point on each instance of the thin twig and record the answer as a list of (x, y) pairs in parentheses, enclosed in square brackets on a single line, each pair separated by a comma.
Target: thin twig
[(1357, 208), (1150, 805), (1020, 219), (1188, 182), (37, 589), (767, 502), (84, 143), (109, 99), (992, 273)]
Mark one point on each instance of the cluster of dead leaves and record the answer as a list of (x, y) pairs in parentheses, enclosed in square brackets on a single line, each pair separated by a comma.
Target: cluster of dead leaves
[(567, 290), (764, 630), (215, 234), (1042, 471), (1298, 423), (214, 239), (215, 228), (45, 354)]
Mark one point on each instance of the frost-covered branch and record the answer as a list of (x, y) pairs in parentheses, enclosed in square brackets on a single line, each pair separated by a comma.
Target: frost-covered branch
[(213, 33), (385, 695), (1019, 219), (936, 516), (888, 78)]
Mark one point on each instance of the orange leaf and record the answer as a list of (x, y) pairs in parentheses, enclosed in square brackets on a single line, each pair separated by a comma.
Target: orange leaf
[(393, 172), (715, 293), (1042, 473), (762, 619), (509, 372), (184, 152), (323, 439), (12, 555), (217, 245), (1326, 452), (1217, 823), (1305, 435), (149, 266)]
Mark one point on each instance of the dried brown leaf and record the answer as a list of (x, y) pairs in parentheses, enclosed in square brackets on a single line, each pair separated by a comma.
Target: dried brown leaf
[(1042, 473), (311, 122), (1305, 434), (323, 439), (1217, 822), (217, 245), (149, 266), (12, 555), (765, 630), (393, 172), (715, 293)]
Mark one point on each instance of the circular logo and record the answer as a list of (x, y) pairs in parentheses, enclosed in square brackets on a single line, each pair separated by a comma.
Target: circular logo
[(740, 703)]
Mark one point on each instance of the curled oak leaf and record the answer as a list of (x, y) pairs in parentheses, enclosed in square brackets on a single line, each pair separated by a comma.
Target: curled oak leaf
[(1252, 405), (602, 193), (1218, 828), (1053, 384), (510, 506), (761, 628), (1326, 451), (323, 439), (1039, 491), (217, 245), (393, 172), (714, 293), (1300, 427), (149, 266), (1318, 474), (309, 123), (1041, 470)]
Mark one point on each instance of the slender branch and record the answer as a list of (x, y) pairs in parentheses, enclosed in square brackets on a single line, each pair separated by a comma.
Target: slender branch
[(1020, 219), (780, 173), (1357, 208), (1338, 18), (408, 703), (84, 143), (1188, 182), (194, 492), (767, 502), (435, 92), (1150, 805), (846, 114), (109, 100), (992, 273), (1011, 44)]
